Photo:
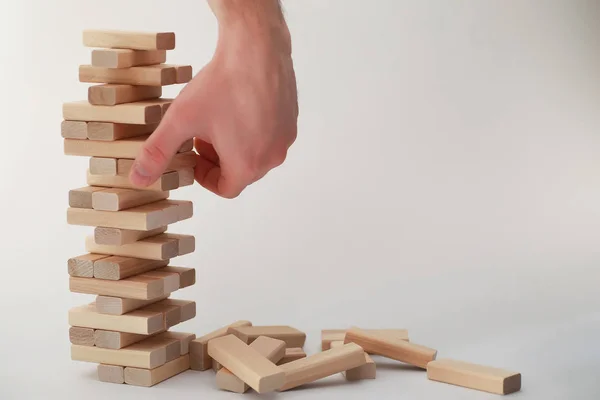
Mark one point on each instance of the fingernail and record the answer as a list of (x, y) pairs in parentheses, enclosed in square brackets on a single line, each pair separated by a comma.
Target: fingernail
[(139, 175)]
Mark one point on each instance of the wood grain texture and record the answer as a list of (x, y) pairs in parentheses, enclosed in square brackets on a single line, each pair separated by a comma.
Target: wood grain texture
[(151, 377), (125, 148), (81, 336), (119, 306), (142, 322), (103, 166), (153, 248), (366, 371), (129, 39), (291, 336), (199, 358), (130, 113), (110, 131), (112, 94), (116, 340), (292, 354), (153, 75), (117, 199), (115, 268), (125, 58), (141, 287), (83, 266), (187, 276), (118, 237), (330, 335), (111, 373), (184, 339), (167, 181), (183, 73), (82, 197), (179, 161), (73, 129), (474, 376)]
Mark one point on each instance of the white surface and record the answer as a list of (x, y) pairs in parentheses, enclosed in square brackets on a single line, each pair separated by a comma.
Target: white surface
[(445, 180)]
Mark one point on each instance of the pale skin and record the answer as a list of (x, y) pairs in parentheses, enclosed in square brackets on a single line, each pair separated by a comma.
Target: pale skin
[(241, 108)]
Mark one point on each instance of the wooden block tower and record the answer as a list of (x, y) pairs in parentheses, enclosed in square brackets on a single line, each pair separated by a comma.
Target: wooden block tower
[(126, 329)]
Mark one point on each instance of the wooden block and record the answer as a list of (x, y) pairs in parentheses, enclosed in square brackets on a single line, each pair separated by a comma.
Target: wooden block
[(272, 349), (83, 266), (103, 166), (474, 376), (184, 339), (330, 335), (73, 129), (129, 40), (199, 358), (183, 73), (119, 306), (110, 131), (396, 349), (246, 363), (118, 237), (187, 308), (170, 280), (111, 373), (167, 181), (135, 287), (186, 243), (81, 336), (116, 340), (152, 248), (125, 58), (112, 94), (115, 268), (186, 177), (291, 336), (151, 377), (321, 365), (117, 199), (292, 354), (140, 321), (365, 371), (125, 148), (153, 75), (82, 197), (130, 113), (185, 160), (164, 103)]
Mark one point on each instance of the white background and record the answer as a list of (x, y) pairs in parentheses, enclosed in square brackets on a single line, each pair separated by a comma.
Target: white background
[(446, 179)]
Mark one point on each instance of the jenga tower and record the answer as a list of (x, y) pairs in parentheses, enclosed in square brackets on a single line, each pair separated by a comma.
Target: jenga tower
[(125, 329)]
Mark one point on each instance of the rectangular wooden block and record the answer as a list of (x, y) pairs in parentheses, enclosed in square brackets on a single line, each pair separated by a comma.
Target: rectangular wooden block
[(272, 349), (82, 197), (292, 354), (110, 131), (117, 199), (169, 279), (119, 306), (112, 94), (291, 336), (184, 339), (103, 166), (125, 148), (73, 130), (153, 75), (187, 308), (395, 349), (167, 181), (130, 113), (151, 377), (366, 371), (116, 340), (118, 237), (142, 322), (125, 58), (141, 287), (199, 358), (474, 376), (246, 363), (183, 73), (321, 365), (331, 335), (111, 373), (129, 40), (83, 266), (81, 336), (187, 276), (115, 268), (152, 248), (180, 161)]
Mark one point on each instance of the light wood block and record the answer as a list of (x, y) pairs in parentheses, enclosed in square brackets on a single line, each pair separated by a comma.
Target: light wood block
[(141, 287), (118, 237), (291, 336), (125, 58), (183, 73), (115, 268), (292, 354), (116, 340), (395, 349), (117, 199), (474, 376), (110, 131), (73, 130), (170, 280), (330, 335), (112, 94), (365, 371), (111, 373), (272, 349), (246, 363), (185, 160), (164, 103), (129, 40), (153, 75), (125, 148), (199, 358), (186, 243), (82, 197), (83, 266), (167, 181), (187, 276), (119, 306), (140, 321), (321, 365), (186, 177), (151, 377), (152, 248), (184, 339), (187, 308), (130, 113), (81, 336), (103, 166)]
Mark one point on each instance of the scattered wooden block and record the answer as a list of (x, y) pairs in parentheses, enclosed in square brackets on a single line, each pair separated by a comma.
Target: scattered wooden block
[(110, 131), (73, 130), (395, 349), (330, 335), (180, 161), (187, 276), (82, 197), (118, 237), (291, 336), (115, 268), (125, 58), (119, 306), (321, 365), (81, 336), (112, 94), (116, 340), (474, 376), (153, 75), (141, 287), (129, 40), (246, 363), (83, 266), (117, 199), (153, 248), (366, 371), (292, 354), (140, 321), (151, 377), (167, 181), (111, 373), (272, 349), (184, 339), (103, 166), (199, 358), (130, 113)]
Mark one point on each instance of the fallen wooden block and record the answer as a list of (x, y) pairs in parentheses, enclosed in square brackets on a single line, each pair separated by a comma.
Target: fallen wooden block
[(291, 336), (129, 40), (117, 199), (167, 181), (83, 266), (141, 287), (184, 339), (115, 268), (151, 377), (246, 363), (125, 148), (321, 365), (116, 340), (474, 376), (152, 75), (395, 349), (73, 129), (292, 354), (82, 197), (142, 321), (111, 373), (272, 349), (119, 306), (366, 371), (187, 276), (153, 248), (118, 237), (81, 336), (199, 358), (112, 94), (331, 335), (111, 131), (125, 58), (129, 113)]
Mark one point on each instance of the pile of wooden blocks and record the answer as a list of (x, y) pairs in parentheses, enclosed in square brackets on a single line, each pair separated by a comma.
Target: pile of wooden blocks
[(126, 329)]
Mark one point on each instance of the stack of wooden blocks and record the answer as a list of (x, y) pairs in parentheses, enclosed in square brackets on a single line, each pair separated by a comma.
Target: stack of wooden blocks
[(126, 329)]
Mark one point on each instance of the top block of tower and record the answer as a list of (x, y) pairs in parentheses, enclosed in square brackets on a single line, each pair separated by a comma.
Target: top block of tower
[(113, 39)]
